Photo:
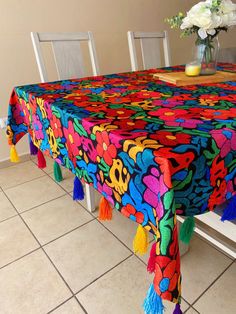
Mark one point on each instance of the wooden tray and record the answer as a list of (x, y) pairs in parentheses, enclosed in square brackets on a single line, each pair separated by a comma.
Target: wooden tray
[(181, 79)]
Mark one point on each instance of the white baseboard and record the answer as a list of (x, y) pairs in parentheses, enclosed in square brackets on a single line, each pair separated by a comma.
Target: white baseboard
[(5, 162)]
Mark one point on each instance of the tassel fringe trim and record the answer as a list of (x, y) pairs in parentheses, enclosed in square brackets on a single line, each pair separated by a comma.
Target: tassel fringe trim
[(105, 210), (153, 302), (152, 259), (187, 229), (57, 172), (230, 210), (78, 192), (13, 154), (41, 160), (33, 148), (177, 309), (140, 243)]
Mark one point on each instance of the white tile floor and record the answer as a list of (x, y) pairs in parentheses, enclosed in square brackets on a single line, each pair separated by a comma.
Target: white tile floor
[(55, 257)]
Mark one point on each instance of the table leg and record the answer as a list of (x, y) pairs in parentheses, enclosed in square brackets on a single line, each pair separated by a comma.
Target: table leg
[(90, 197)]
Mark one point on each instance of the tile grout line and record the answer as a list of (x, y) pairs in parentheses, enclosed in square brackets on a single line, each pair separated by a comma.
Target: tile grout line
[(66, 233), (191, 308), (94, 218), (57, 270), (42, 248), (40, 245), (186, 311), (102, 275), (58, 306), (8, 218), (32, 208), (213, 282), (70, 298), (14, 186), (100, 222), (12, 164), (19, 258)]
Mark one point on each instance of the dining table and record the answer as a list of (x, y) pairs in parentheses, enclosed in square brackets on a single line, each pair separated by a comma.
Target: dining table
[(153, 150)]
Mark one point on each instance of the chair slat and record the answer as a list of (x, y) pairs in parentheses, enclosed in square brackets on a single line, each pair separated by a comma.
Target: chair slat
[(139, 35), (48, 37), (69, 59), (151, 55)]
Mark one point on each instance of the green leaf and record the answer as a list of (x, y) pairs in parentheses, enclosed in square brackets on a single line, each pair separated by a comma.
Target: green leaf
[(79, 128)]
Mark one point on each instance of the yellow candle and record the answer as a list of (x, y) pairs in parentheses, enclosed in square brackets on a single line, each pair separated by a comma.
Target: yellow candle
[(192, 69)]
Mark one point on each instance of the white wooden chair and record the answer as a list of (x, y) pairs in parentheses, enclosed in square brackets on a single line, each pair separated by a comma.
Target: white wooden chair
[(150, 49), (70, 64), (208, 225)]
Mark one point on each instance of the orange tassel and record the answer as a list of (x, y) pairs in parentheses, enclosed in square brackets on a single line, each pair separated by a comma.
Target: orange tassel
[(105, 210)]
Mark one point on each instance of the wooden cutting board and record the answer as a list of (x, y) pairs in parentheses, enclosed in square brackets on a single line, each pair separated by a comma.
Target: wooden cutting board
[(181, 79)]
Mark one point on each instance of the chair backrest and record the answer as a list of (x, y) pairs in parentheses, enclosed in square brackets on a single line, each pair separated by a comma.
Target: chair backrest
[(227, 55), (67, 53), (150, 49)]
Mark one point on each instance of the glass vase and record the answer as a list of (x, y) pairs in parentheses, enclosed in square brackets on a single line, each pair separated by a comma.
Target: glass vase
[(207, 53)]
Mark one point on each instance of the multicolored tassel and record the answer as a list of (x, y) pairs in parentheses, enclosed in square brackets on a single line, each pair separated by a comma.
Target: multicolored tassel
[(13, 154), (57, 172), (186, 230), (41, 160), (153, 302), (33, 148), (78, 192), (152, 259), (177, 309), (105, 209), (230, 210), (140, 243)]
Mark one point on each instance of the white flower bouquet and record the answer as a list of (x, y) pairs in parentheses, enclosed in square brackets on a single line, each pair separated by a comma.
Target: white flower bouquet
[(206, 19)]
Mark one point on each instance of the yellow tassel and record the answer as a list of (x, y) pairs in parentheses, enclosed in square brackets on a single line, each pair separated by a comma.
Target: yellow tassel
[(13, 154), (140, 244)]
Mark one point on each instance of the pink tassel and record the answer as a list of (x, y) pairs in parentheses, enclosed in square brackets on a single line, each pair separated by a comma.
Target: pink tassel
[(177, 309), (152, 259), (41, 160)]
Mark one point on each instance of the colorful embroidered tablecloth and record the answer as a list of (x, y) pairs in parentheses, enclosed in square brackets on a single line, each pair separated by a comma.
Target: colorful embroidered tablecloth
[(152, 149)]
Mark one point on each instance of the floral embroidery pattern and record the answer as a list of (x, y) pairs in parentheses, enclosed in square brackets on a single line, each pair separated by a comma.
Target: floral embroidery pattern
[(152, 149)]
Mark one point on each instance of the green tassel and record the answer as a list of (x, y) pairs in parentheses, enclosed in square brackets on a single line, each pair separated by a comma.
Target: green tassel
[(57, 172), (186, 230)]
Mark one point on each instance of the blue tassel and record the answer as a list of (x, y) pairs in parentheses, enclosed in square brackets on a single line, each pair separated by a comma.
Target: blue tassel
[(33, 148), (78, 192), (153, 302), (230, 210)]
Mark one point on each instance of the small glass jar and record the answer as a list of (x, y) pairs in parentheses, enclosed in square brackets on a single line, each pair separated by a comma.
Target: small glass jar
[(193, 68)]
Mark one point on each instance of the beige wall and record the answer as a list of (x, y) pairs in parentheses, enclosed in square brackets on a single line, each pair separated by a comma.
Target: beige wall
[(109, 21)]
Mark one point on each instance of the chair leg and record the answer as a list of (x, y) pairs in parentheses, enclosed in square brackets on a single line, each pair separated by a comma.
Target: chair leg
[(90, 198)]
